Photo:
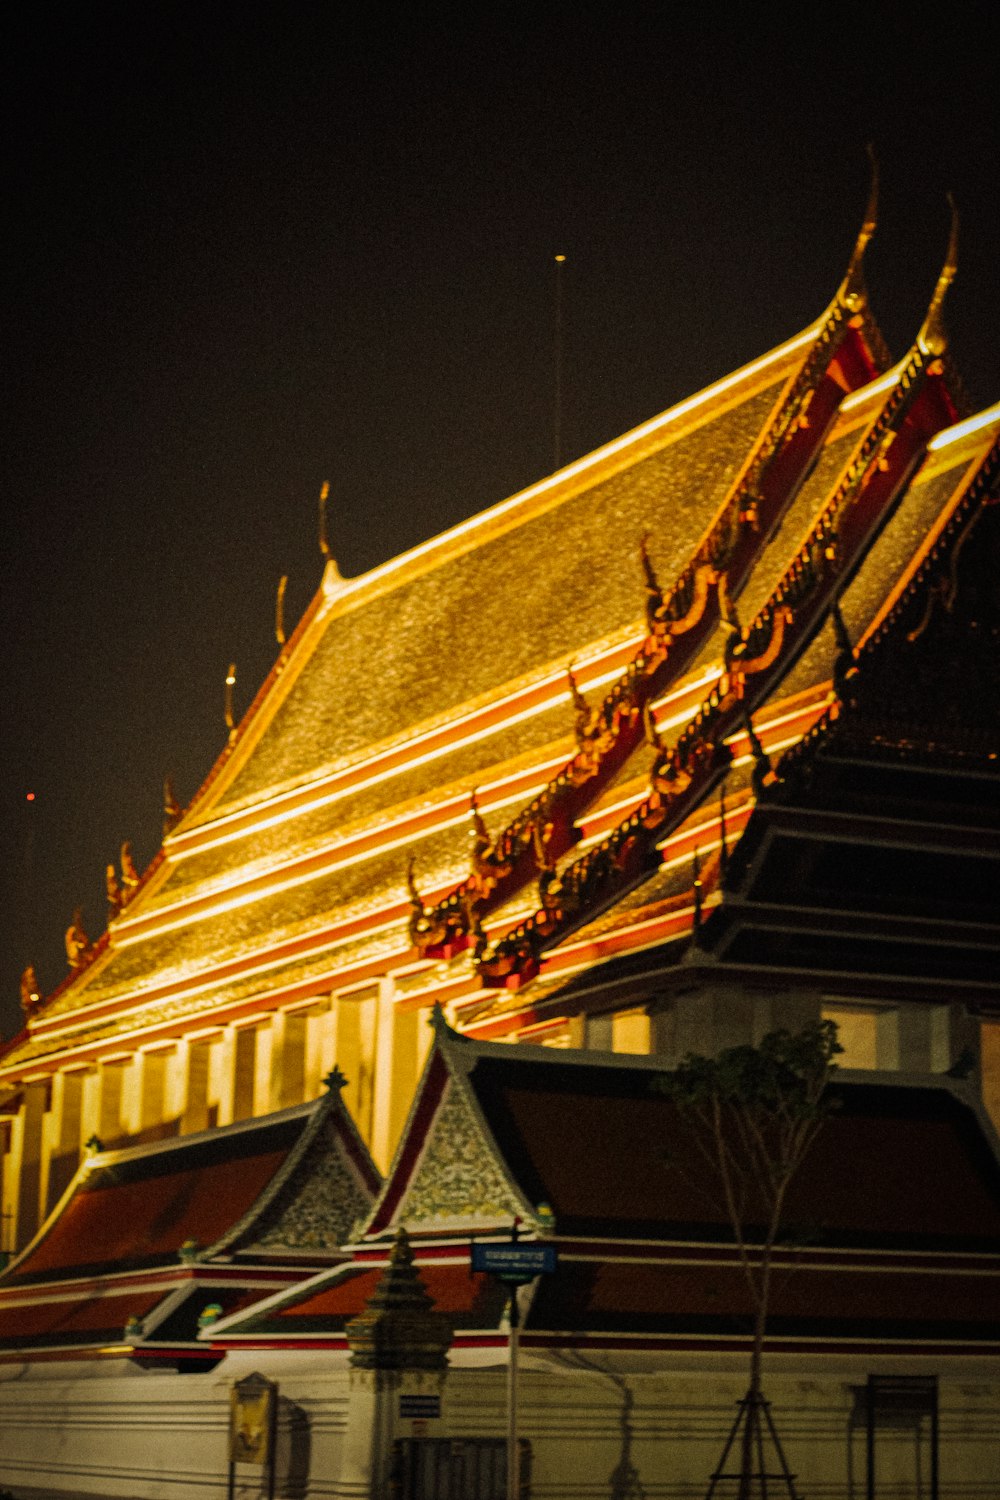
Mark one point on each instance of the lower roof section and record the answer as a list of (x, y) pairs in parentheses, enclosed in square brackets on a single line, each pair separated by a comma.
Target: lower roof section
[(891, 1236)]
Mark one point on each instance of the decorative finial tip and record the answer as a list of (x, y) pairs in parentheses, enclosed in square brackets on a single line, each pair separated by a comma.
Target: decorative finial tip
[(335, 1080), (852, 289), (439, 1024), (933, 336)]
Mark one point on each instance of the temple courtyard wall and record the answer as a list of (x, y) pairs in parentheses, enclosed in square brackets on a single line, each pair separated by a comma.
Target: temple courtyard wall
[(611, 1427)]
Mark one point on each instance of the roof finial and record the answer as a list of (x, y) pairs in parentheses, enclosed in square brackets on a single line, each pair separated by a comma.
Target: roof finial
[(438, 1022), (230, 684), (279, 610), (171, 807), (333, 579), (324, 495), (852, 289), (933, 336), (31, 993)]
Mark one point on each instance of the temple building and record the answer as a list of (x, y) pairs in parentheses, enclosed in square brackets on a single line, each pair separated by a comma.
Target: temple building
[(696, 739)]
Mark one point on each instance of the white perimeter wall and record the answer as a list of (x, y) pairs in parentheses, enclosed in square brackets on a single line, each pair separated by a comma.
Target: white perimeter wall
[(599, 1427)]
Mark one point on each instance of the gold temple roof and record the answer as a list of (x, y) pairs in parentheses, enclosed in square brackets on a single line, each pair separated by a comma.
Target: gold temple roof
[(565, 568), (432, 640)]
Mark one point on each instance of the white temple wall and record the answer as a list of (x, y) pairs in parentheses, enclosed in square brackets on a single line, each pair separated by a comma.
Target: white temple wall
[(613, 1428)]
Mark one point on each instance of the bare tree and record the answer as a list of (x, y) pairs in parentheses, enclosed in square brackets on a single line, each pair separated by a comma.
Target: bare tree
[(752, 1113)]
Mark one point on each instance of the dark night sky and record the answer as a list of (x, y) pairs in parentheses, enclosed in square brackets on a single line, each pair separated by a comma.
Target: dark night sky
[(250, 248)]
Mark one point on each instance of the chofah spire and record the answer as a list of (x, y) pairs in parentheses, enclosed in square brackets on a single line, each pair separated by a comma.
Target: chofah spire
[(438, 1022), (398, 1329)]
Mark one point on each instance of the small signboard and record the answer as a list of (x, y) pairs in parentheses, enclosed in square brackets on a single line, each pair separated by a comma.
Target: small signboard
[(251, 1420), (513, 1262), (253, 1414), (418, 1406)]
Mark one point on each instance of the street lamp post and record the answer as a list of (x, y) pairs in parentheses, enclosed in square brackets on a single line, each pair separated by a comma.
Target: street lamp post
[(514, 1265)]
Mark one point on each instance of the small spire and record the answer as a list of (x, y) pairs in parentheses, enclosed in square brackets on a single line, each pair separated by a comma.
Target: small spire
[(335, 1081), (324, 495), (399, 1329), (762, 761), (579, 701), (933, 336), (650, 732), (113, 890), (78, 947), (93, 1145), (480, 832), (31, 993)]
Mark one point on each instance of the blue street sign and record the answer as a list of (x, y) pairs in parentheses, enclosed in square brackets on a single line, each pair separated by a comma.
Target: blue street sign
[(514, 1262)]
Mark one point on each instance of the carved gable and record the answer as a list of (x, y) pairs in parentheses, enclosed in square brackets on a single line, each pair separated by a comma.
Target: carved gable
[(459, 1177)]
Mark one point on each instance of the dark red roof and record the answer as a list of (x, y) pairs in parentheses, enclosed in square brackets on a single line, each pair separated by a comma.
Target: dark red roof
[(99, 1318), (470, 1299), (868, 1299), (137, 1210), (893, 1164)]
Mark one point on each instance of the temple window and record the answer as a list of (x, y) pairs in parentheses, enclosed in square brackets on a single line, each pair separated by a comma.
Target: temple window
[(630, 1031)]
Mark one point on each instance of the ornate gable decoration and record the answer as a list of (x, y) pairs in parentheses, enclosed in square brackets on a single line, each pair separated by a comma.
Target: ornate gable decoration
[(319, 1204), (459, 1179)]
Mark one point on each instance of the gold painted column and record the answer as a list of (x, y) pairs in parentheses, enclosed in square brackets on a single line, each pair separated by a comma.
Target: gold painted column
[(287, 1062), (321, 1044), (192, 1109), (233, 1068), (356, 1018), (109, 1127), (396, 1058), (25, 1160), (144, 1098), (61, 1147)]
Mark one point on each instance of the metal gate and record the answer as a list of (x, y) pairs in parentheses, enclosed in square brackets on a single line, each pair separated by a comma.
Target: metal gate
[(456, 1469)]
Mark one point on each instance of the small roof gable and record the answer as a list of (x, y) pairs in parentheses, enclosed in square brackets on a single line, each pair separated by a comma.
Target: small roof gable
[(292, 1182)]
